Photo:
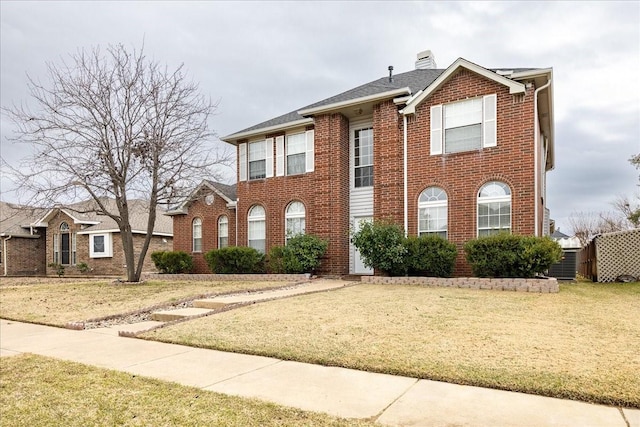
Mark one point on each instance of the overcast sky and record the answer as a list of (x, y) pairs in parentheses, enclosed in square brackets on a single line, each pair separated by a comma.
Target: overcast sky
[(264, 59)]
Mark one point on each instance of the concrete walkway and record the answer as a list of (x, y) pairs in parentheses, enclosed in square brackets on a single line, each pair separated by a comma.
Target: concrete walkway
[(390, 400)]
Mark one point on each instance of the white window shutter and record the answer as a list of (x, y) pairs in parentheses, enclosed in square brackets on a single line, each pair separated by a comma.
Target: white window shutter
[(269, 157), (309, 135), (436, 129), (489, 128), (242, 162), (280, 156)]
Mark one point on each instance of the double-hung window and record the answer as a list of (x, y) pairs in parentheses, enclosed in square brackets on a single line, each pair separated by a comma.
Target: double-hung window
[(257, 160), (223, 232), (197, 235), (363, 158), (294, 220), (464, 125), (257, 228), (100, 245), (296, 149), (432, 212), (494, 208)]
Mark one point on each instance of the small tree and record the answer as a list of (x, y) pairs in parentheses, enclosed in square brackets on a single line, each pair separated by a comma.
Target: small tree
[(382, 246), (115, 125)]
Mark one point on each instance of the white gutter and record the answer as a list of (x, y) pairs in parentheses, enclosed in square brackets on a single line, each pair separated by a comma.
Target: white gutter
[(4, 253), (405, 177), (268, 129), (236, 238), (355, 101), (536, 143)]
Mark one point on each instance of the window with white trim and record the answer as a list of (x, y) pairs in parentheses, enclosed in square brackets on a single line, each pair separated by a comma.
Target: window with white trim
[(363, 158), (296, 149), (257, 228), (100, 245), (223, 232), (464, 125), (258, 160), (432, 212), (196, 227), (294, 220), (64, 246), (494, 208)]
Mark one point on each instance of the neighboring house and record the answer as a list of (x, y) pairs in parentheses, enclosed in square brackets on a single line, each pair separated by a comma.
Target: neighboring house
[(22, 246), (76, 234), (459, 152), (205, 221)]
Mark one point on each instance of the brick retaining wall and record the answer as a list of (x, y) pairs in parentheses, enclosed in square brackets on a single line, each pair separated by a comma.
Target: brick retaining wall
[(229, 277), (549, 285)]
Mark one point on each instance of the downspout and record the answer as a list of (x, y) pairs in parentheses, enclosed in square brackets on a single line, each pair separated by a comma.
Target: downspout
[(405, 177), (536, 144), (4, 253), (236, 236)]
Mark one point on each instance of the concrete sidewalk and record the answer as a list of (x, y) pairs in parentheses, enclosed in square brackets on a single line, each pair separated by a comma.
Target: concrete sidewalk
[(343, 392)]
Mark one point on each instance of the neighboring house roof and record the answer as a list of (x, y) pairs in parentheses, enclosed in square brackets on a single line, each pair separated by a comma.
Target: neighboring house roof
[(16, 220), (227, 192), (404, 84), (85, 213)]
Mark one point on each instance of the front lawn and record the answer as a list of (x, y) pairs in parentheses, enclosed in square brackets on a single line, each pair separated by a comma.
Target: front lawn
[(52, 301), (38, 391), (582, 343)]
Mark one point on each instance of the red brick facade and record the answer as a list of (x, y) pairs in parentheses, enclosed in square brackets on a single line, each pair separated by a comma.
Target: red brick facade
[(209, 214), (325, 192)]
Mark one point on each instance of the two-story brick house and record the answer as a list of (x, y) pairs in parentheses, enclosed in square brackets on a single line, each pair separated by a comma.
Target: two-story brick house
[(459, 152)]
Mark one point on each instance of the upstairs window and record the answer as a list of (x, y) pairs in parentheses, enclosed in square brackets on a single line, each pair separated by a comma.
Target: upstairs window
[(258, 160), (197, 235), (494, 208), (464, 126), (363, 158), (296, 150), (432, 212), (223, 232), (257, 228), (294, 220)]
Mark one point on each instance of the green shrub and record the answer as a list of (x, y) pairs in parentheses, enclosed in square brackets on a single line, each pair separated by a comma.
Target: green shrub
[(275, 260), (172, 262), (58, 267), (235, 260), (430, 256), (302, 254), (83, 267), (507, 255), (382, 246)]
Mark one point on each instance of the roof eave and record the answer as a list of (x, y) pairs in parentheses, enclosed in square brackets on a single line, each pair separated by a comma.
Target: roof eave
[(234, 137), (353, 102), (514, 87)]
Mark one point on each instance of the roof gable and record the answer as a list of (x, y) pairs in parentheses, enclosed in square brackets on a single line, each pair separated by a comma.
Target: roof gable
[(514, 87), (227, 192)]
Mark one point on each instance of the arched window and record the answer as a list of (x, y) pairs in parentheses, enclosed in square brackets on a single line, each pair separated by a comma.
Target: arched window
[(223, 232), (294, 220), (494, 208), (197, 235), (432, 212), (257, 228)]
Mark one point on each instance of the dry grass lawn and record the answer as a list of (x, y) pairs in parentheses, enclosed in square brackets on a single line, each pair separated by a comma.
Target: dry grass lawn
[(53, 301), (37, 391), (582, 343)]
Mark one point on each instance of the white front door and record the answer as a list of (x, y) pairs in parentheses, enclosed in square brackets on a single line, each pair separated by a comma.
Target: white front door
[(358, 264)]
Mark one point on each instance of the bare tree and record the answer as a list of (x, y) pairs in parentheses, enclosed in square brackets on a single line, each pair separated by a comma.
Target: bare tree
[(120, 126)]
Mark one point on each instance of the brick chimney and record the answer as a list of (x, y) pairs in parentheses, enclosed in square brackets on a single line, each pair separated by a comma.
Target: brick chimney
[(426, 61)]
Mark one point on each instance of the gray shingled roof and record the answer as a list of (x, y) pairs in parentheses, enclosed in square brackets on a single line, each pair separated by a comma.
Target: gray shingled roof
[(415, 80), (16, 219), (138, 216), (228, 190)]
